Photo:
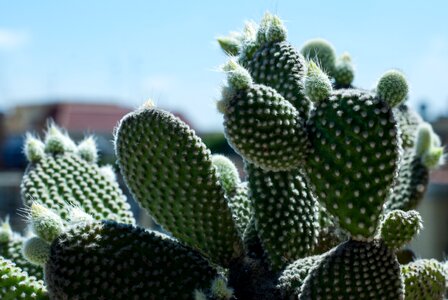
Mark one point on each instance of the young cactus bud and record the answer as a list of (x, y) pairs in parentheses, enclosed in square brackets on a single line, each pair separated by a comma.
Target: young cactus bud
[(220, 290), (56, 142), (227, 172), (424, 279), (87, 150), (428, 147), (322, 53), (77, 215), (237, 77), (317, 84), (45, 223), (392, 88), (399, 227), (231, 44), (5, 231), (344, 72), (34, 149), (36, 251)]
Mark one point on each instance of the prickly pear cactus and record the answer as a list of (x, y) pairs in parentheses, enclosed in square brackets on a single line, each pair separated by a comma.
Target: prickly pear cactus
[(11, 249), (331, 175), (170, 172), (17, 284), (132, 261), (62, 174), (424, 279)]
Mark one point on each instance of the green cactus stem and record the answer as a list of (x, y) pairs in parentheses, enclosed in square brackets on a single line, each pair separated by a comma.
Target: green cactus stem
[(108, 260), (170, 172), (67, 175)]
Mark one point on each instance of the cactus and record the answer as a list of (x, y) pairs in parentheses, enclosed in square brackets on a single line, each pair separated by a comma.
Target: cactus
[(399, 227), (355, 270), (327, 166), (170, 172), (61, 174), (17, 284), (413, 175), (424, 279), (122, 260), (11, 249)]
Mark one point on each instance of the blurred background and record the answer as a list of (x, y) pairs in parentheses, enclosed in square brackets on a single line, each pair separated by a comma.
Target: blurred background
[(85, 64)]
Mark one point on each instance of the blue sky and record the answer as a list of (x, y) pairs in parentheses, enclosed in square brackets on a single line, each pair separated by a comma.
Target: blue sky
[(126, 51)]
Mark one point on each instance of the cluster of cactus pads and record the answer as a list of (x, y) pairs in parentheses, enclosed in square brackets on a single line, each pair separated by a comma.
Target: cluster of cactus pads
[(333, 174)]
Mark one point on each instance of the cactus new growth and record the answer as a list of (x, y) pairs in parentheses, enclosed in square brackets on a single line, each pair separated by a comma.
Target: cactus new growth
[(332, 176)]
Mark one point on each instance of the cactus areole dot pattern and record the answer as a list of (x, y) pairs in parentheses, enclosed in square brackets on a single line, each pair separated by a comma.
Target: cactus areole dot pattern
[(354, 158), (170, 172)]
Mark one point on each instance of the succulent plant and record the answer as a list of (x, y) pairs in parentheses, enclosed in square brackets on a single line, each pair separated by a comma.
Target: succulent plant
[(321, 215)]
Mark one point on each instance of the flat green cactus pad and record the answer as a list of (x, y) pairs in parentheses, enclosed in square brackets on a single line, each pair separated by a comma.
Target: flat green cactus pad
[(279, 66), (169, 171), (408, 121), (354, 158), (292, 277), (424, 280), (241, 207), (12, 250), (265, 128), (64, 176), (108, 260), (355, 270), (17, 284), (399, 227), (285, 214), (411, 183)]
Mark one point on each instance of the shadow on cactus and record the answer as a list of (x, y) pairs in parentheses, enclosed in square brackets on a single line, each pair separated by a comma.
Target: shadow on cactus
[(333, 174)]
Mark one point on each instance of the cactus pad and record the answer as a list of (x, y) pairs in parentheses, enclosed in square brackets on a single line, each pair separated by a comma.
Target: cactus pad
[(62, 178), (354, 159), (344, 72), (411, 183), (262, 126), (424, 279), (109, 260), (280, 67), (170, 172), (355, 270), (291, 279), (285, 214), (11, 249), (322, 53), (399, 227), (17, 284), (408, 121)]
